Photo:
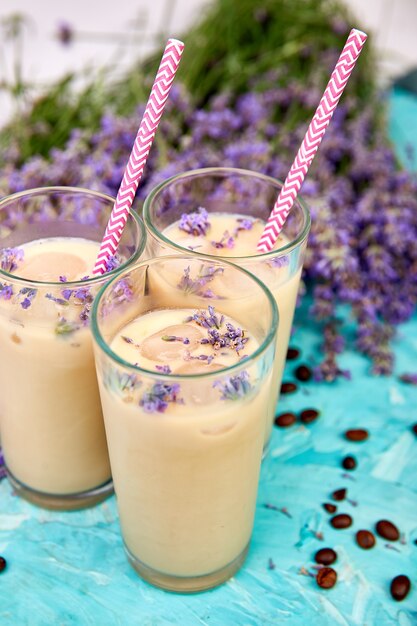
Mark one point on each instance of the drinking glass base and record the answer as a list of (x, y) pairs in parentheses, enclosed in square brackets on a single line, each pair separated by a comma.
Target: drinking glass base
[(65, 502), (186, 584)]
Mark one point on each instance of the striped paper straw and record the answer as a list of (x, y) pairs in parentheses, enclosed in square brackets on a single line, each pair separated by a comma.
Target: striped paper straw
[(140, 151), (312, 139)]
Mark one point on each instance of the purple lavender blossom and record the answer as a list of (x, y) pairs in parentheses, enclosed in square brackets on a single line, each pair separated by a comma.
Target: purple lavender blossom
[(195, 223), (227, 241), (2, 465), (164, 369), (112, 263), (207, 319), (10, 258), (234, 387), (59, 301), (28, 295), (157, 399), (6, 291), (196, 285)]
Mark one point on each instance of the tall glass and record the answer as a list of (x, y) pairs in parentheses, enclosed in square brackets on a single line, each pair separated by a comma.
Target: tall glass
[(185, 443), (51, 425), (230, 191)]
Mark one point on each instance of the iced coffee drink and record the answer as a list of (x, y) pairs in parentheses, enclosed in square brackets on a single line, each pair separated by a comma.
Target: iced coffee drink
[(221, 212), (184, 389), (51, 422)]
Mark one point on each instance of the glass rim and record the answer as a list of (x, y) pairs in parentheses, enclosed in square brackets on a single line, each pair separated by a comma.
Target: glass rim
[(105, 347), (39, 191), (222, 171)]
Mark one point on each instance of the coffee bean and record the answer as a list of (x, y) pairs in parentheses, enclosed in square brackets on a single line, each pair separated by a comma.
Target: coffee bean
[(325, 556), (288, 387), (400, 586), (349, 463), (326, 577), (365, 539), (387, 530), (285, 419), (309, 415), (414, 428), (357, 434), (339, 494), (342, 520), (330, 508), (303, 373), (292, 354), (3, 563)]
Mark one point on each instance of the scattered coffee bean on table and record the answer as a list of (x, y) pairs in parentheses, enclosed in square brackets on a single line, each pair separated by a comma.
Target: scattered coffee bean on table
[(288, 387), (3, 563), (365, 539), (285, 419), (414, 428), (356, 434), (325, 556), (339, 494), (330, 508), (303, 373), (349, 463), (400, 586), (341, 520), (292, 354), (387, 530), (326, 577), (309, 415)]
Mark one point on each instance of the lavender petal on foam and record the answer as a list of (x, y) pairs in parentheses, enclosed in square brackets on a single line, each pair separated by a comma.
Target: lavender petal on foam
[(195, 223)]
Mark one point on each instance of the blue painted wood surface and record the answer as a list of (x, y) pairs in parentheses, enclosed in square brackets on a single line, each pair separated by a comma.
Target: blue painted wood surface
[(69, 568)]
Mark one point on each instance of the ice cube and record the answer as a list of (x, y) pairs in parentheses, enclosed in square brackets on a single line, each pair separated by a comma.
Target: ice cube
[(199, 391), (48, 266), (172, 342)]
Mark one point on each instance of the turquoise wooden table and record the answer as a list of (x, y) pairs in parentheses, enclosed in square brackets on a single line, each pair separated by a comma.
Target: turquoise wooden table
[(69, 569)]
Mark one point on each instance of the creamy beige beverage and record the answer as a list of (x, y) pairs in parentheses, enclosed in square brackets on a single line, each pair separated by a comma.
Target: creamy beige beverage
[(50, 416), (233, 235), (185, 452)]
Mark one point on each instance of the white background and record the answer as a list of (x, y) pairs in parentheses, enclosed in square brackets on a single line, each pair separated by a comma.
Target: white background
[(103, 26)]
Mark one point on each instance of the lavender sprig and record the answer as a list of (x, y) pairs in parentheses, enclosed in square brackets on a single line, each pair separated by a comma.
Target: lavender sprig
[(158, 398), (195, 223), (207, 319), (234, 387), (196, 285), (26, 296), (65, 327), (10, 258)]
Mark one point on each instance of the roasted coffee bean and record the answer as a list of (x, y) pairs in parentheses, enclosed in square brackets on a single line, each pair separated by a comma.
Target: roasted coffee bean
[(342, 520), (326, 577), (288, 387), (339, 494), (349, 463), (387, 530), (330, 508), (357, 434), (365, 539), (325, 556), (303, 373), (309, 415), (292, 354), (400, 586), (3, 563), (285, 419), (414, 428)]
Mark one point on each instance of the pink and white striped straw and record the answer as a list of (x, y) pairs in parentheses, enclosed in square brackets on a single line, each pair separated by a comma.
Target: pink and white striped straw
[(312, 139), (140, 151)]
